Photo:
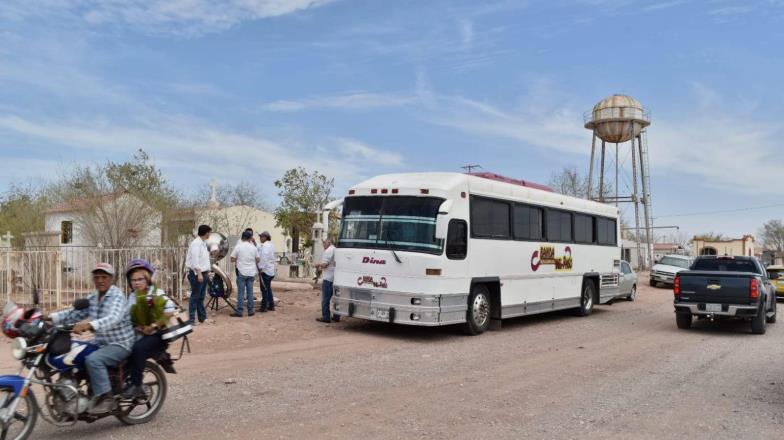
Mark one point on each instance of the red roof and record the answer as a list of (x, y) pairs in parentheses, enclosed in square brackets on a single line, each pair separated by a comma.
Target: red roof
[(500, 178), (81, 204)]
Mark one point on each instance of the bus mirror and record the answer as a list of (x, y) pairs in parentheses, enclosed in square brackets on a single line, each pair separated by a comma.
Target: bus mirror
[(442, 225), (442, 221)]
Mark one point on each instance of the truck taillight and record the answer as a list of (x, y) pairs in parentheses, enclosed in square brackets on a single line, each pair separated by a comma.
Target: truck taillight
[(754, 288), (676, 285)]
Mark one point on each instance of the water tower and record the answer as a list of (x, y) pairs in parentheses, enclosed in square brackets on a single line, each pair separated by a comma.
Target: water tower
[(618, 119)]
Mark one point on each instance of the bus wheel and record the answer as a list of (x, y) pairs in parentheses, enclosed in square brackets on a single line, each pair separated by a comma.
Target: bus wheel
[(478, 313), (586, 299)]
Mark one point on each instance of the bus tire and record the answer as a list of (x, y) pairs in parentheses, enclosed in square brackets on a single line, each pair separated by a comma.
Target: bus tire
[(478, 313), (586, 298)]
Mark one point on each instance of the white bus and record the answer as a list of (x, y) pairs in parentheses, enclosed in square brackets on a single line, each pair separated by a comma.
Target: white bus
[(446, 248)]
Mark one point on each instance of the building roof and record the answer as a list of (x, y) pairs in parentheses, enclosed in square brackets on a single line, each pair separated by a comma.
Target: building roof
[(75, 205)]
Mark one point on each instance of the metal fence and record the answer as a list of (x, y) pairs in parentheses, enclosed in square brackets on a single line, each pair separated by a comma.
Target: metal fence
[(62, 274)]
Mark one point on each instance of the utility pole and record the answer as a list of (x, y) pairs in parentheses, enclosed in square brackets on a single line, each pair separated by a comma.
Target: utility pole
[(470, 168)]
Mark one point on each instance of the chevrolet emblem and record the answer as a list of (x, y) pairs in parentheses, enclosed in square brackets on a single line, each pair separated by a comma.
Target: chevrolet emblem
[(714, 286)]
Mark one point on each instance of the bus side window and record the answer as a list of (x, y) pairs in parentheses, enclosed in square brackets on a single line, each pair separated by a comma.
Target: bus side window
[(457, 240)]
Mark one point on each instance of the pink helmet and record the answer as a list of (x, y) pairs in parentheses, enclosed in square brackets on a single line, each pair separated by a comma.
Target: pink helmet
[(12, 313)]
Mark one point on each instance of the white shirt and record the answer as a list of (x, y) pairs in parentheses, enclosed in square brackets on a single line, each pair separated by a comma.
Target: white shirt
[(267, 255), (246, 254), (329, 261), (198, 258)]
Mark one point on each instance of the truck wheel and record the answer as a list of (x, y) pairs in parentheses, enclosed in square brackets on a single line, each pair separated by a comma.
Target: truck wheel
[(478, 313), (683, 320), (772, 318), (758, 323), (586, 299), (653, 283)]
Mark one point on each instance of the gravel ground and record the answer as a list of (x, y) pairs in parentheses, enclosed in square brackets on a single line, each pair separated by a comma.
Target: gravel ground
[(624, 372)]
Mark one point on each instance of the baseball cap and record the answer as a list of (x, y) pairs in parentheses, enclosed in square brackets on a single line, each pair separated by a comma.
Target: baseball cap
[(247, 234), (104, 267)]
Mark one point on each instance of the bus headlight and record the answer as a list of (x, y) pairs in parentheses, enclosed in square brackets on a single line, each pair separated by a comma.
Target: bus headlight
[(19, 348)]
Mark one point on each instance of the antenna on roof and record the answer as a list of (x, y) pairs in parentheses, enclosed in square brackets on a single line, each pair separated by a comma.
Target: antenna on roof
[(470, 168)]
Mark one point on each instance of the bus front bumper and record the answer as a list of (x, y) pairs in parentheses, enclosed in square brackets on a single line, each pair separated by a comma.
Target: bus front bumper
[(400, 307)]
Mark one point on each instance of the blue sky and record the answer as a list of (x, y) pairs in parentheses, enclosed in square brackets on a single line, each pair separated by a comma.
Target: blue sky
[(245, 89)]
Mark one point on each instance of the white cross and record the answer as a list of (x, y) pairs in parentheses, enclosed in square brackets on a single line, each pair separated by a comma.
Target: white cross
[(8, 236), (213, 185)]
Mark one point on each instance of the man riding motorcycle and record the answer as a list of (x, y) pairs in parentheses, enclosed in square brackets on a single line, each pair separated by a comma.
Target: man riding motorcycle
[(108, 318)]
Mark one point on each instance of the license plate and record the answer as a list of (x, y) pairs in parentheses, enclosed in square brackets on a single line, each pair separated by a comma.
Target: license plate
[(713, 307), (382, 314)]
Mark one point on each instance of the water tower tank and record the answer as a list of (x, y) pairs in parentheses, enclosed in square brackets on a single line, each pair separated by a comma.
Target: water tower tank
[(617, 118)]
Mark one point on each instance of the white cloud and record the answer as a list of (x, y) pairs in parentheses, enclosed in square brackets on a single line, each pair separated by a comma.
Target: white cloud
[(356, 149), (466, 31), (187, 17), (724, 145), (350, 101)]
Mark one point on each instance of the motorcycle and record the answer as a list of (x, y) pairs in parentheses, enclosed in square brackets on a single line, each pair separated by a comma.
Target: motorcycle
[(57, 363)]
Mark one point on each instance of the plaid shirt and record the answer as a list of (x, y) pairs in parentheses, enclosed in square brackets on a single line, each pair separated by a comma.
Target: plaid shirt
[(109, 318)]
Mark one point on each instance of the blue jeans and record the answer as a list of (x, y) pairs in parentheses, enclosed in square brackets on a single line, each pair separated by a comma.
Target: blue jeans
[(97, 363), (196, 302), (266, 293), (244, 290), (326, 297)]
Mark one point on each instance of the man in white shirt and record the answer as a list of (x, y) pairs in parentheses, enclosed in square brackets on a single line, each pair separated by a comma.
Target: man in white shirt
[(246, 257), (327, 267), (198, 263), (266, 271)]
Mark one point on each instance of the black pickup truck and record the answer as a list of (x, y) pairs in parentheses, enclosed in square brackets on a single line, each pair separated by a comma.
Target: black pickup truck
[(725, 287)]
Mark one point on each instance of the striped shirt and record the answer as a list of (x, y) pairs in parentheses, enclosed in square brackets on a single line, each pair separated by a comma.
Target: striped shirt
[(109, 318)]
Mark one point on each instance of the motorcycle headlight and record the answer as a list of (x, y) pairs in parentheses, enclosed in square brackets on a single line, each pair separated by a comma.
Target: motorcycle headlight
[(19, 348)]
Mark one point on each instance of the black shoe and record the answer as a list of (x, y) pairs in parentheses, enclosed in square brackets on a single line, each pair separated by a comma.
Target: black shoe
[(271, 309), (336, 319), (133, 392), (322, 320), (101, 404), (251, 313), (236, 315), (262, 310)]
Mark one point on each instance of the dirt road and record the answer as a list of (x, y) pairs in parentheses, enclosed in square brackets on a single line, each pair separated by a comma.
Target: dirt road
[(625, 372)]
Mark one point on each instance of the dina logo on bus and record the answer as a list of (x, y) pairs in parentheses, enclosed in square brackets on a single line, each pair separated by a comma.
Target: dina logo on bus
[(546, 256), (371, 260), (367, 279)]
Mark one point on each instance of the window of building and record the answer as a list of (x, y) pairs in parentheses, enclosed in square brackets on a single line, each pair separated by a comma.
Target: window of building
[(66, 232)]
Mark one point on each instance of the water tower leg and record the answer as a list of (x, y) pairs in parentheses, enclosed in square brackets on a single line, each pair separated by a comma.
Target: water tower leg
[(590, 168), (640, 262), (616, 174), (601, 176), (646, 196)]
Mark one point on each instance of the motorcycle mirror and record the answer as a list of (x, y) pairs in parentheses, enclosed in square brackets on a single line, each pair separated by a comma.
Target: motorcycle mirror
[(81, 304), (36, 297)]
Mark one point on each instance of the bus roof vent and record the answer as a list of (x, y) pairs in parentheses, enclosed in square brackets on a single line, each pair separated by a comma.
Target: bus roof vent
[(500, 178)]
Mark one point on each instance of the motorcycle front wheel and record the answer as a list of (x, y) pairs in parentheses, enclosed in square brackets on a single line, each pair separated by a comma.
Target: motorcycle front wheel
[(143, 409), (22, 422)]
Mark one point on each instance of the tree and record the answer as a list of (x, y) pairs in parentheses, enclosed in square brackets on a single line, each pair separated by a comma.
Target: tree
[(118, 204), (570, 182), (772, 237), (22, 209), (302, 195), (238, 205), (710, 236)]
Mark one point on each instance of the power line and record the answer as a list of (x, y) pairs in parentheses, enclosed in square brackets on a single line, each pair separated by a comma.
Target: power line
[(750, 208)]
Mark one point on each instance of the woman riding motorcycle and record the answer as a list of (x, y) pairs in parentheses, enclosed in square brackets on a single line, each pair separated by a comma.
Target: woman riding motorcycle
[(150, 311)]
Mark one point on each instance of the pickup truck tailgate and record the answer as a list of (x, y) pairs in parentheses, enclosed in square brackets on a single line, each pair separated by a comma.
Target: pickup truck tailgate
[(716, 287)]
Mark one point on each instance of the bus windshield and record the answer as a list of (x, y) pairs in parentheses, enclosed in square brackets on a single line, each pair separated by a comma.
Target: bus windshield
[(402, 223)]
